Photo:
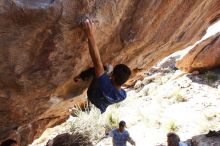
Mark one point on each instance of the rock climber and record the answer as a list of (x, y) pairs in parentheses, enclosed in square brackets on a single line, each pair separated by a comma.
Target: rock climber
[(104, 89)]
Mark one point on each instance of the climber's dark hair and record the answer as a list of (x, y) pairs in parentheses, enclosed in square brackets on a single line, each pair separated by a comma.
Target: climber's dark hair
[(121, 74), (8, 142)]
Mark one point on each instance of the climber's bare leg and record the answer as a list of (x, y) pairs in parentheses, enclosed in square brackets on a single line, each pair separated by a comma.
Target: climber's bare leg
[(88, 106), (90, 73)]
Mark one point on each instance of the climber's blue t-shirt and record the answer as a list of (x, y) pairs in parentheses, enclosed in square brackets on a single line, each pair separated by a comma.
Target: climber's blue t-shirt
[(102, 93)]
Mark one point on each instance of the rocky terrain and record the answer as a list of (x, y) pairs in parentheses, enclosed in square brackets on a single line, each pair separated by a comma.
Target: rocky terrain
[(167, 99), (42, 48), (203, 56)]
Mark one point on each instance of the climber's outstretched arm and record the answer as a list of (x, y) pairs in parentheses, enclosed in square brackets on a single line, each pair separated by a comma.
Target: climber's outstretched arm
[(93, 49)]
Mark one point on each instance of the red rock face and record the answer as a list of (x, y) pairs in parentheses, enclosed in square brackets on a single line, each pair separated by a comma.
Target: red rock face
[(42, 48), (203, 56)]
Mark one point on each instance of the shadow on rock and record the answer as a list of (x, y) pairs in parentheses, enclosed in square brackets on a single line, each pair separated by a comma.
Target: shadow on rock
[(207, 77), (67, 139), (210, 139)]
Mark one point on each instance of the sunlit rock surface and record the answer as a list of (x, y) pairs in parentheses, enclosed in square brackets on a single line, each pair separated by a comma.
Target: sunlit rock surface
[(42, 48), (205, 55)]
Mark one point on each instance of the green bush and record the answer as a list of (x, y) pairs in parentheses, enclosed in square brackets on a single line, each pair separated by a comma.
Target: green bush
[(111, 121), (178, 97), (172, 126), (94, 124), (210, 76), (205, 126), (210, 117)]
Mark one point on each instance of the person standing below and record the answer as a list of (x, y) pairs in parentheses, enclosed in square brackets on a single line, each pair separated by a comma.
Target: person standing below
[(120, 136), (174, 140)]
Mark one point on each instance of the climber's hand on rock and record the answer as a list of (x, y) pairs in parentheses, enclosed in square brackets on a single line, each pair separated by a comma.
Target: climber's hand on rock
[(87, 27)]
